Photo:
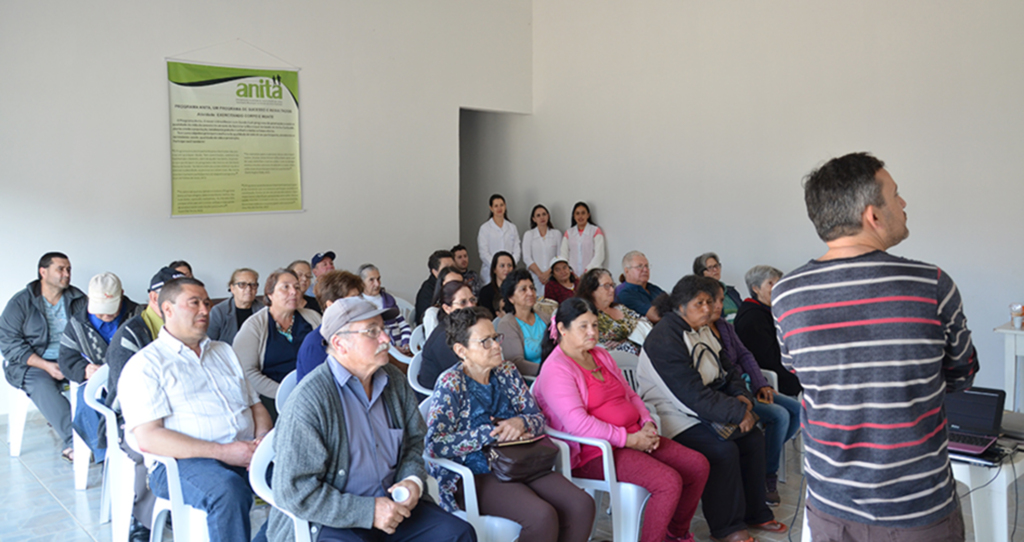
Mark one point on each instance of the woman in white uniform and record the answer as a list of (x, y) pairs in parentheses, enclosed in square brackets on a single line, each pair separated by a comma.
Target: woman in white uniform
[(495, 235), (540, 246), (583, 246)]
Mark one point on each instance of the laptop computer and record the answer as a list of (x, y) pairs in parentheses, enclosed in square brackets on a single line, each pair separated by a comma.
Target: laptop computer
[(975, 419)]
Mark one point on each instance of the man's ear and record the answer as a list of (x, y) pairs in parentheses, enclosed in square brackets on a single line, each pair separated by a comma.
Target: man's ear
[(871, 219)]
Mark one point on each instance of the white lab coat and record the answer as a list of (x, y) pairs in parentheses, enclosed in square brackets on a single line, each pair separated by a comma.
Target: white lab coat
[(540, 250), (492, 239), (584, 249)]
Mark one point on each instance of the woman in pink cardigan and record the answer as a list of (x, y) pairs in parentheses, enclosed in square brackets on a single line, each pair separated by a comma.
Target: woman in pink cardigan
[(582, 391)]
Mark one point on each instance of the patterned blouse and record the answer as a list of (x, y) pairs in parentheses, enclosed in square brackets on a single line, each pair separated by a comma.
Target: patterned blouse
[(450, 431), (612, 330)]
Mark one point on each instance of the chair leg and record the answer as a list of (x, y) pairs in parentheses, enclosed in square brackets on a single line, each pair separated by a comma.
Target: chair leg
[(16, 420), (105, 494), (82, 451)]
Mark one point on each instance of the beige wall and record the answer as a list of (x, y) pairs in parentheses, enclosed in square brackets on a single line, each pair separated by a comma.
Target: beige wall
[(84, 130), (688, 125)]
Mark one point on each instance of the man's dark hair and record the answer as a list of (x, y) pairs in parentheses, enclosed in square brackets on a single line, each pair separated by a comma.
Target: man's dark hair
[(434, 263), (174, 287), (459, 247), (47, 259), (180, 263), (837, 193)]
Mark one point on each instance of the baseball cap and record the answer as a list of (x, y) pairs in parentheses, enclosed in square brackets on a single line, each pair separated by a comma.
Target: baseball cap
[(321, 255), (164, 275), (105, 294), (351, 309), (557, 259)]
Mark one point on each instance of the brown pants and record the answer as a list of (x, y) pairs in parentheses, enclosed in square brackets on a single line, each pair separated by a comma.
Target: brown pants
[(828, 528), (549, 508)]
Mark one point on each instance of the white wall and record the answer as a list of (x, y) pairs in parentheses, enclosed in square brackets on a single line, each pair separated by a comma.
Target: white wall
[(688, 125), (84, 132)]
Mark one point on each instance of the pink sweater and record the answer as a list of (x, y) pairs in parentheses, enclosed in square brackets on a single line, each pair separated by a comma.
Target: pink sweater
[(562, 393)]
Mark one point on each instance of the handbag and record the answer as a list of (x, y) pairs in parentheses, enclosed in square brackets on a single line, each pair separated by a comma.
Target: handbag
[(522, 461), (724, 431)]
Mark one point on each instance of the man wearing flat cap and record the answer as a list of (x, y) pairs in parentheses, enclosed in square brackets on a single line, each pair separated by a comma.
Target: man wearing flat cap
[(349, 444)]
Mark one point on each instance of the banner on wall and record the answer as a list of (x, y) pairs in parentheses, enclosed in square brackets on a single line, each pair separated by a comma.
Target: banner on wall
[(234, 139)]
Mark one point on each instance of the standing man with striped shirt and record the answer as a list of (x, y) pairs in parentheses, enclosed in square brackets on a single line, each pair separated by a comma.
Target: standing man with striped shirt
[(877, 341)]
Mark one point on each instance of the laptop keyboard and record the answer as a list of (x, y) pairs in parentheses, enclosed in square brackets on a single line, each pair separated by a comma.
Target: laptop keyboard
[(969, 440)]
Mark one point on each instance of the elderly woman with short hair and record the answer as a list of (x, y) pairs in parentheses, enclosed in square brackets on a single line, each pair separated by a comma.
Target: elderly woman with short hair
[(302, 269), (227, 317), (710, 265), (620, 327), (268, 343), (523, 328), (756, 327)]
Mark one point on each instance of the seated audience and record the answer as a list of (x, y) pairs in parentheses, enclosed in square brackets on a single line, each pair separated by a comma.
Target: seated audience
[(563, 282), (490, 296), (523, 329), (83, 350), (437, 355), (482, 401), (756, 326), (210, 425), (582, 391), (540, 246), (268, 343), (779, 414), (699, 396), (635, 291), (181, 266), (352, 434), (31, 328), (397, 328), (469, 276), (430, 316), (331, 287), (583, 245), (619, 328), (438, 260), (227, 317), (302, 269), (132, 337), (322, 262), (708, 265)]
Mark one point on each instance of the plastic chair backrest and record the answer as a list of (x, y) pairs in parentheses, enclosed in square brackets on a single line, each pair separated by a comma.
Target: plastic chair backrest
[(418, 339), (414, 375), (408, 310), (285, 389), (627, 364), (258, 467)]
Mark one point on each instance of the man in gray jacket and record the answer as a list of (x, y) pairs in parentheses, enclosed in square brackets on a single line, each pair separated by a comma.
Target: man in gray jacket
[(349, 444), (31, 327)]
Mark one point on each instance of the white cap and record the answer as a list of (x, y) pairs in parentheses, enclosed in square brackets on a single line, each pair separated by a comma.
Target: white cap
[(105, 294)]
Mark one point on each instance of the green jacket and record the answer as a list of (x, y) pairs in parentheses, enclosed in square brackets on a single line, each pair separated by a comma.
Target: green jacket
[(311, 454)]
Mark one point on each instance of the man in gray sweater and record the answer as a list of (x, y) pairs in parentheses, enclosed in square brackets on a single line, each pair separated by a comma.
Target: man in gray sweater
[(349, 444)]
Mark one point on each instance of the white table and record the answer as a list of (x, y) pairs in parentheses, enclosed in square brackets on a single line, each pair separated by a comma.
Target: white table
[(989, 504), (1013, 350)]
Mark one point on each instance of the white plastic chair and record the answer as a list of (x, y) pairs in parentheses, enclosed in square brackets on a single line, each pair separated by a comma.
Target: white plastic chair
[(94, 388), (285, 389), (261, 460), (418, 339), (627, 364), (398, 355), (189, 523), (773, 381), (83, 455), (406, 309), (414, 375), (488, 528), (627, 500)]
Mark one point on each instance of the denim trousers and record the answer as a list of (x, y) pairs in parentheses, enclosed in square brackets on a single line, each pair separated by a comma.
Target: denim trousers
[(222, 491), (781, 421)]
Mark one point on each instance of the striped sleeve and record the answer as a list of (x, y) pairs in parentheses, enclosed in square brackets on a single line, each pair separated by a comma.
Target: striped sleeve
[(960, 362)]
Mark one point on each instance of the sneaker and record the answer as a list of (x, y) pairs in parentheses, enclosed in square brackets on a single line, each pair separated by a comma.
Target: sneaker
[(771, 497)]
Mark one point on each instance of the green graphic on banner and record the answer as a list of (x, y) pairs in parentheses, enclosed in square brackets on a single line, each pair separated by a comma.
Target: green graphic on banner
[(234, 140)]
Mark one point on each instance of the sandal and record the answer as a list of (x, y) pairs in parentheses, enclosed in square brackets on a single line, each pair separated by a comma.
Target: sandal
[(68, 455), (772, 527), (736, 537)]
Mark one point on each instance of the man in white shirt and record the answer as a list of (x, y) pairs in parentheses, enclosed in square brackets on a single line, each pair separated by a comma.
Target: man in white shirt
[(185, 396)]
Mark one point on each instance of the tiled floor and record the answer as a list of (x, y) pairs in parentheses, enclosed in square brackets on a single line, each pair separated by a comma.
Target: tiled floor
[(38, 502)]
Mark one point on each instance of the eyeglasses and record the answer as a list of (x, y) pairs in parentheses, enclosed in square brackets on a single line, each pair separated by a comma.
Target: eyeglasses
[(491, 341), (641, 266), (715, 267), (372, 333), (468, 302), (607, 286), (247, 285)]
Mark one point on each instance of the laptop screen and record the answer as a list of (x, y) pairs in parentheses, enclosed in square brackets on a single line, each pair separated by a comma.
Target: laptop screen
[(977, 410)]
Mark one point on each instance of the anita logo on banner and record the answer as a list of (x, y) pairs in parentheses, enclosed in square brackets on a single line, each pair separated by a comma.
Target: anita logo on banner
[(264, 88)]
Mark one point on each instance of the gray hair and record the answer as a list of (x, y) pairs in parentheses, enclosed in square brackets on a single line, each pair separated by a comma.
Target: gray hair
[(837, 193), (366, 267), (701, 263), (758, 274), (629, 257)]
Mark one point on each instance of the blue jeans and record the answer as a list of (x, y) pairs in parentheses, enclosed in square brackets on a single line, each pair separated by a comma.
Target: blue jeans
[(781, 421), (220, 490)]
